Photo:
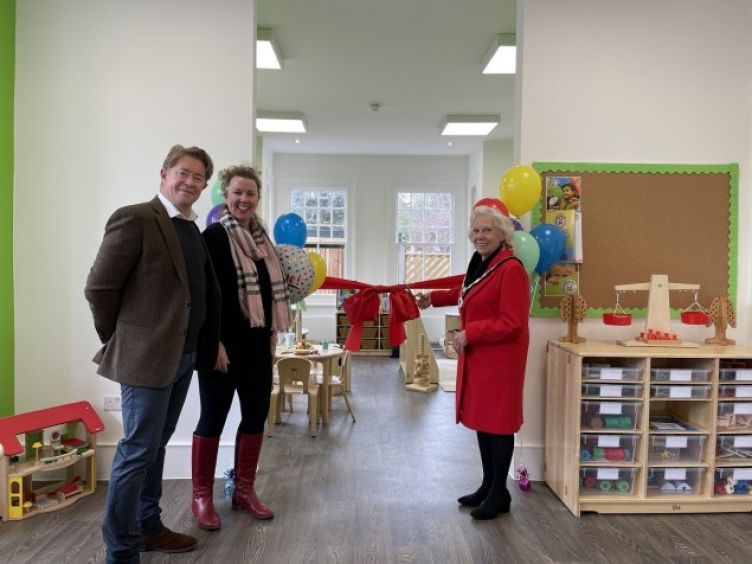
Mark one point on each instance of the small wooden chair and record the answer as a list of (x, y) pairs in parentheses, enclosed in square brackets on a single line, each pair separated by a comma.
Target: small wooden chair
[(340, 379), (294, 378)]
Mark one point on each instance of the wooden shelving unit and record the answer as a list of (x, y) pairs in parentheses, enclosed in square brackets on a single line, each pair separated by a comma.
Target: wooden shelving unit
[(375, 340), (603, 455)]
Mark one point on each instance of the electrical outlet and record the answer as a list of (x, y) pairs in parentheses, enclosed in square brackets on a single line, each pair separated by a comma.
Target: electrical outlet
[(112, 403)]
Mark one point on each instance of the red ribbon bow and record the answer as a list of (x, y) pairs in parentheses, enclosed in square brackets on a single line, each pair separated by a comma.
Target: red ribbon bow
[(365, 305)]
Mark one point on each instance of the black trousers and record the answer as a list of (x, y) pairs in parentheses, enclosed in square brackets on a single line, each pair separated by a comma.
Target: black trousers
[(253, 382)]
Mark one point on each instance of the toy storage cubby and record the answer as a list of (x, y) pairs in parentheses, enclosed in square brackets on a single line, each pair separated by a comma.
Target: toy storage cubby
[(649, 430), (375, 340), (55, 467)]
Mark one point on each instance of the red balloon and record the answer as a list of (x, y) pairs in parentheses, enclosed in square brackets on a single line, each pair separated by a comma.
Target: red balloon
[(494, 203)]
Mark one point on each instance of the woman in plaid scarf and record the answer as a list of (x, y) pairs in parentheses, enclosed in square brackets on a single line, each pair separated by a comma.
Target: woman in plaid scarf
[(254, 307)]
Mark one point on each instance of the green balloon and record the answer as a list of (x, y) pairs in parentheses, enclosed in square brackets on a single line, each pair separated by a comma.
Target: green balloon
[(527, 250), (217, 197)]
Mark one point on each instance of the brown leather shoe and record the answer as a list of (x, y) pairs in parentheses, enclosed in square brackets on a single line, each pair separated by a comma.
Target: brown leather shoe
[(167, 541)]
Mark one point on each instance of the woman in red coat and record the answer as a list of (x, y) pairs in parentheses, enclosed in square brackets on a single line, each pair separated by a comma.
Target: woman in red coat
[(492, 344)]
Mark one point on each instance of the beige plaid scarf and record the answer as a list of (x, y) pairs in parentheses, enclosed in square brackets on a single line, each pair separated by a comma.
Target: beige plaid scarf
[(246, 247)]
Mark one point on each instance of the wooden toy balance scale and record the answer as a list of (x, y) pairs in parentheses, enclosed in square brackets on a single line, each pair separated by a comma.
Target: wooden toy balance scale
[(657, 331)]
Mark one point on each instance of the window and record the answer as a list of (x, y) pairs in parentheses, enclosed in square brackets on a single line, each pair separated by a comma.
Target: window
[(325, 214), (424, 235)]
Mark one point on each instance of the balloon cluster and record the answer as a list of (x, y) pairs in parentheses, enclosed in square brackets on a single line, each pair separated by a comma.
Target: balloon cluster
[(520, 190), (304, 271)]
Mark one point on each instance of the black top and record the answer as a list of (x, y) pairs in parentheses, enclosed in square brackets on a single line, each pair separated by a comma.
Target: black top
[(236, 332), (478, 266), (195, 265)]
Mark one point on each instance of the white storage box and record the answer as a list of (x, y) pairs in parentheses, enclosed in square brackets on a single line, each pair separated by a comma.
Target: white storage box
[(612, 373), (610, 415), (734, 416), (608, 448), (679, 392), (736, 375), (732, 481), (676, 448), (734, 391), (595, 481), (674, 481), (733, 447), (680, 375), (612, 390)]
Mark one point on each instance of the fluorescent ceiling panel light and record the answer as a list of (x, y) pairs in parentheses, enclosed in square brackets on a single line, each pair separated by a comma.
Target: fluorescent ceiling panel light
[(501, 57), (469, 125), (280, 122), (268, 55)]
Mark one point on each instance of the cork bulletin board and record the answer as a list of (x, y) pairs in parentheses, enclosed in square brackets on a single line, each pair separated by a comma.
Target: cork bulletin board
[(643, 219)]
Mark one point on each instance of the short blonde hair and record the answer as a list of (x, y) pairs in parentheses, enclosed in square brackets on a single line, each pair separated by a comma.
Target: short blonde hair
[(243, 171), (501, 222)]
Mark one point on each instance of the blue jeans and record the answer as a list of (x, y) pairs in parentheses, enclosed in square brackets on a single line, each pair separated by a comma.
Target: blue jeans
[(149, 419)]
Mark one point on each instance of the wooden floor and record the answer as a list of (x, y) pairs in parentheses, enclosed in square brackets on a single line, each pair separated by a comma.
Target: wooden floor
[(383, 490)]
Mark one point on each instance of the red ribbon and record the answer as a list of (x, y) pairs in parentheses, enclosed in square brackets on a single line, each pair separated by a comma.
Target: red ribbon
[(365, 305)]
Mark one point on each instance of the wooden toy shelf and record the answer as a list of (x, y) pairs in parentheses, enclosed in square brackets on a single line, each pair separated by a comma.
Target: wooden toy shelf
[(375, 340), (609, 443), (47, 476)]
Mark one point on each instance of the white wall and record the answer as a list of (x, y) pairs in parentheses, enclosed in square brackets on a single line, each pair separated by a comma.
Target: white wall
[(103, 89), (666, 81), (372, 183), (497, 158)]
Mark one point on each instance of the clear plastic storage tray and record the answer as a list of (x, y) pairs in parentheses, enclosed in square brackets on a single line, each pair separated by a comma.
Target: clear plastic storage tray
[(736, 375), (674, 481), (608, 448), (733, 448), (612, 390), (611, 373), (679, 392), (732, 481), (675, 448), (734, 416), (734, 391), (610, 415), (680, 374), (607, 481)]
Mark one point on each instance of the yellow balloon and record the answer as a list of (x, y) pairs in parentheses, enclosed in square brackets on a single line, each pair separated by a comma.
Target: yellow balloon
[(520, 189), (319, 270)]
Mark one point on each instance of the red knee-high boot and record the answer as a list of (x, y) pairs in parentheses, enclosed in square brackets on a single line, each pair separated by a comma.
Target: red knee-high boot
[(203, 463), (247, 450)]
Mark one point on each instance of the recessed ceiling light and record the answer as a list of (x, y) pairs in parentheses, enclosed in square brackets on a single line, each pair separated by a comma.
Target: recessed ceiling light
[(268, 55), (297, 141), (469, 125), (280, 122), (450, 144), (501, 57)]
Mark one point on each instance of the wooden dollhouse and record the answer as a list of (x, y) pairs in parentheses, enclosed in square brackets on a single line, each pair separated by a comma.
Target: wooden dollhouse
[(53, 469)]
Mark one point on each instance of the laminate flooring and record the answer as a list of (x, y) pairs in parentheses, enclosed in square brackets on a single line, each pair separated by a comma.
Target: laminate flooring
[(383, 490)]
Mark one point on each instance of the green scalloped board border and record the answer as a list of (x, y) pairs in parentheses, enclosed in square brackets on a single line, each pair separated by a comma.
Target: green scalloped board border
[(732, 169)]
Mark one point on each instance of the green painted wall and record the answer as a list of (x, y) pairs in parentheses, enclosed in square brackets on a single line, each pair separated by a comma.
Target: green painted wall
[(7, 75)]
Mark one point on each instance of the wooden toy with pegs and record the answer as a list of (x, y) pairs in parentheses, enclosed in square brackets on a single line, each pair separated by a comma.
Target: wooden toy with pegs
[(422, 370), (721, 315), (657, 331), (572, 310)]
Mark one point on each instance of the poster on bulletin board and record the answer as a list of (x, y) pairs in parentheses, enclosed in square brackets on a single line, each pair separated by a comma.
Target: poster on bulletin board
[(638, 220)]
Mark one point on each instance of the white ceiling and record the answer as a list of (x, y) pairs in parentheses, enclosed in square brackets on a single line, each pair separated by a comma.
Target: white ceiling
[(419, 59)]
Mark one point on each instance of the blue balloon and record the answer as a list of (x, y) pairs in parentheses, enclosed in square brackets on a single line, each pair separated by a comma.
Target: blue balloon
[(290, 229), (551, 241), (214, 213)]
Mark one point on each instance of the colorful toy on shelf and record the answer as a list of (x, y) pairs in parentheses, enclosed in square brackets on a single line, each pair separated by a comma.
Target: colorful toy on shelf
[(721, 315), (572, 310), (657, 330), (618, 316)]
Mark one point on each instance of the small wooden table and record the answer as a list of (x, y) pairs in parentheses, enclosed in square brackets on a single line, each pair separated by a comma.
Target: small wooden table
[(326, 358)]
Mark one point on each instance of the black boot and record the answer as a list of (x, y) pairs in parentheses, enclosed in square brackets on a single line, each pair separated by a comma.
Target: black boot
[(498, 498), (476, 498)]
